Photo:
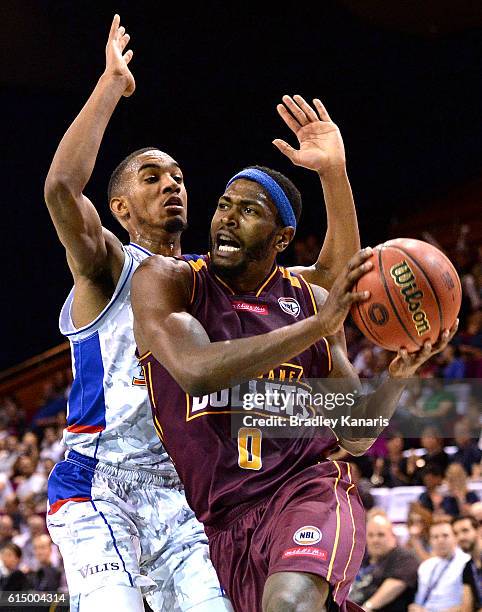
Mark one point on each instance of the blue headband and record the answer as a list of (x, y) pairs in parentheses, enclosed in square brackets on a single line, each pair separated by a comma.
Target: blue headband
[(274, 191)]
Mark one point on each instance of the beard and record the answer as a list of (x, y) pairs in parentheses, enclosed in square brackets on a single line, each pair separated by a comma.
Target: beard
[(175, 225), (256, 252)]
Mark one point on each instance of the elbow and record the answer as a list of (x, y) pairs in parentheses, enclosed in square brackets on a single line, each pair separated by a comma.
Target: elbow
[(194, 386), (357, 448), (197, 381), (190, 379), (59, 187)]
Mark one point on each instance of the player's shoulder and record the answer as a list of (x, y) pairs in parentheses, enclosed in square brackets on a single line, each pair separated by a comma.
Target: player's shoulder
[(164, 267)]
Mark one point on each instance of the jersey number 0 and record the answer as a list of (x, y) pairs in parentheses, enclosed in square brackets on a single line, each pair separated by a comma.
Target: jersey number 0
[(249, 448)]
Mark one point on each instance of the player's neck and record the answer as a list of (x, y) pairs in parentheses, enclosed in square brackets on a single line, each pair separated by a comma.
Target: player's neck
[(162, 244), (255, 274)]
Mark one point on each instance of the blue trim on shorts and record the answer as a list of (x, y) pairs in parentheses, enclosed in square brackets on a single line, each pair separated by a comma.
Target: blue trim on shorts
[(114, 542), (71, 478)]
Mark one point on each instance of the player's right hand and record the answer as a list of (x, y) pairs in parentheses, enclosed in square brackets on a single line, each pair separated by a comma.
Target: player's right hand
[(116, 61), (341, 297)]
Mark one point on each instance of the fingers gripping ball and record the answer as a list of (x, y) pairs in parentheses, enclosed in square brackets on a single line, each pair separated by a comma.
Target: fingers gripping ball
[(415, 294)]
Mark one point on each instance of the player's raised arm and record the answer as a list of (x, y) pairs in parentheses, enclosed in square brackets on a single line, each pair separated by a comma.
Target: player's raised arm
[(161, 292), (321, 149), (78, 225)]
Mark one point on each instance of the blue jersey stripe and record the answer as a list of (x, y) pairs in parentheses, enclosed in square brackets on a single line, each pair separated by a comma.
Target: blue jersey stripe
[(86, 400)]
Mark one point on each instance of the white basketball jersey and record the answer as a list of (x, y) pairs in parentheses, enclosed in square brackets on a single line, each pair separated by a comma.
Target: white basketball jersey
[(109, 415)]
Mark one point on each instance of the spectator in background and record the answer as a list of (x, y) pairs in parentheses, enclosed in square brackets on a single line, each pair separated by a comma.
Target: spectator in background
[(9, 453), (452, 365), (12, 508), (394, 472), (12, 579), (14, 415), (46, 577), (35, 527), (440, 577), (54, 403), (52, 446), (26, 480), (459, 498), (468, 453), (6, 529), (432, 442), (5, 488), (439, 408), (388, 582), (469, 342), (431, 498), (466, 533), (30, 445), (418, 524), (476, 512)]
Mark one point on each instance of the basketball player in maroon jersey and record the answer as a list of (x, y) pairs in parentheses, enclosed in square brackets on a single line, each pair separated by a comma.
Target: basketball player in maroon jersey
[(285, 525)]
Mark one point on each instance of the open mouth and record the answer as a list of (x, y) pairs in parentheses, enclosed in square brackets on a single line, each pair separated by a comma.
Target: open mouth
[(226, 243), (173, 201)]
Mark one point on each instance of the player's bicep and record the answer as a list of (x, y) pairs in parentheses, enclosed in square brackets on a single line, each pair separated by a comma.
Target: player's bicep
[(79, 229), (162, 324)]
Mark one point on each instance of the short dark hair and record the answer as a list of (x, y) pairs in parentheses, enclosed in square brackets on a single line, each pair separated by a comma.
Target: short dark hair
[(292, 193), (115, 180), (17, 551), (466, 517)]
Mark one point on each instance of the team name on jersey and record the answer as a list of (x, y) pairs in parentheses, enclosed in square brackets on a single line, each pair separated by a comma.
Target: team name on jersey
[(279, 392)]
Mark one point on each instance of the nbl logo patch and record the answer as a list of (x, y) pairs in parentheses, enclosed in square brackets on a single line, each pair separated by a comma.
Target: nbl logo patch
[(306, 536), (290, 306)]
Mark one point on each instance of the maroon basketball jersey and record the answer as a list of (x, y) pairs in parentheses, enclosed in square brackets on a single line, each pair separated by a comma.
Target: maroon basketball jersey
[(221, 464)]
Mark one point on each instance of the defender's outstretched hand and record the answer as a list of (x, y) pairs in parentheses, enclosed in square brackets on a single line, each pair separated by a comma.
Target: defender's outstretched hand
[(406, 364), (321, 145), (116, 61)]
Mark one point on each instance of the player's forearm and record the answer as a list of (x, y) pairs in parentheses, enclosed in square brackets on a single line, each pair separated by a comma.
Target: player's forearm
[(370, 415), (75, 157), (342, 239), (220, 365)]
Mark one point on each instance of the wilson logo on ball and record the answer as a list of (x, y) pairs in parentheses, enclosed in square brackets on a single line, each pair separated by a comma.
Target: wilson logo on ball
[(404, 277)]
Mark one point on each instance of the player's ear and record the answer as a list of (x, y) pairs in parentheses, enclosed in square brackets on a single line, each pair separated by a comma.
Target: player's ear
[(283, 238), (119, 208)]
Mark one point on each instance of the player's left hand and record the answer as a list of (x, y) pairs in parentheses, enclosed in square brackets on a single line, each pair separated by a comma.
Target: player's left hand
[(406, 364), (321, 146)]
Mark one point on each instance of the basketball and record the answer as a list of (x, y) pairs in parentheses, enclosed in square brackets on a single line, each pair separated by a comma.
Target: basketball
[(415, 294)]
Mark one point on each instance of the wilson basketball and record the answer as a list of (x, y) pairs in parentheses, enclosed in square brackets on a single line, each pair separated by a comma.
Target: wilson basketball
[(415, 294)]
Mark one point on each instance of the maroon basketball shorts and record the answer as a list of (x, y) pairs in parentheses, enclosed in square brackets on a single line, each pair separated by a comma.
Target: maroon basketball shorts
[(314, 523)]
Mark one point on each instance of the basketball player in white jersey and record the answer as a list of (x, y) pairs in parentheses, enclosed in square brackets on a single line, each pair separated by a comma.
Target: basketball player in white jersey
[(116, 507)]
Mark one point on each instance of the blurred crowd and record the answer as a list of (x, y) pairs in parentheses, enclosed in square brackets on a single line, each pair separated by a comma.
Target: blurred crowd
[(431, 561), (29, 561)]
